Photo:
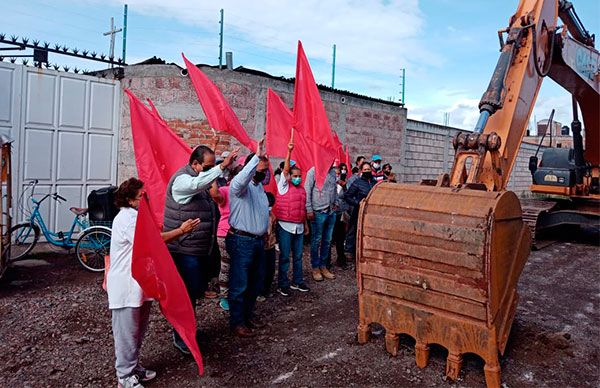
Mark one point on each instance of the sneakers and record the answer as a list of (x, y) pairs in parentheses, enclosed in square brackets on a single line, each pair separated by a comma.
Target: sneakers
[(326, 274), (180, 345), (210, 294), (130, 382), (300, 287), (260, 298), (243, 332), (316, 274), (224, 304), (145, 374), (284, 291)]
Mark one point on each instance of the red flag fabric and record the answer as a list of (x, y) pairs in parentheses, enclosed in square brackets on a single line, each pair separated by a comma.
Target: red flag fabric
[(278, 125), (218, 112), (279, 132), (348, 163), (154, 270), (159, 152), (310, 118)]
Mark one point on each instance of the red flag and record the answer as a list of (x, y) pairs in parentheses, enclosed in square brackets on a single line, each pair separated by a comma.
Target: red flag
[(278, 126), (154, 270), (218, 112), (348, 163), (279, 132), (159, 152), (310, 118)]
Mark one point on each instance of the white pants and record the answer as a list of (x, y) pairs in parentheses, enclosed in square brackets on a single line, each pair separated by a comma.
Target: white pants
[(129, 326)]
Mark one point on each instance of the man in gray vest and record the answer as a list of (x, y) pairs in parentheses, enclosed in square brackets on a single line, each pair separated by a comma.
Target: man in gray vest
[(245, 241), (188, 197)]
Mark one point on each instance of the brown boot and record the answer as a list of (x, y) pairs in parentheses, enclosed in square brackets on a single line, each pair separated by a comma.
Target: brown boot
[(326, 274), (316, 274), (243, 332)]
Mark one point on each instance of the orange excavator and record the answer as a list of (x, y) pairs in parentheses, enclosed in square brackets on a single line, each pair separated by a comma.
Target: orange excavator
[(441, 261)]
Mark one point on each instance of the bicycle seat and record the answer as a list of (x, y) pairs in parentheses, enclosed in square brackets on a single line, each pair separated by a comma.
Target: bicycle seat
[(79, 210)]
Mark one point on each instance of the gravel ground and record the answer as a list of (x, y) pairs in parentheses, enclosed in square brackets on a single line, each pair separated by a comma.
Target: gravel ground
[(55, 332)]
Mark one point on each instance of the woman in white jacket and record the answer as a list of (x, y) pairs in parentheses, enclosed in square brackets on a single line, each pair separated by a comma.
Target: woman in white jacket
[(130, 308)]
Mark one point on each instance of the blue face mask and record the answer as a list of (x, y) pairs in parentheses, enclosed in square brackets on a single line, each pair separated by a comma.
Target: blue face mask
[(296, 181)]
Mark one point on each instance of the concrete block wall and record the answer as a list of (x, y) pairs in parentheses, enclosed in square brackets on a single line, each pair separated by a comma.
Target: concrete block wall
[(368, 126), (428, 151)]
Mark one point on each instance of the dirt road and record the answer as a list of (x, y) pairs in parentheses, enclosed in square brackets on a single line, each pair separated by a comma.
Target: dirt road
[(55, 332)]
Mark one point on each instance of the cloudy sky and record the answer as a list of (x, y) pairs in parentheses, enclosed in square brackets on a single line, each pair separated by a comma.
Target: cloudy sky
[(448, 47)]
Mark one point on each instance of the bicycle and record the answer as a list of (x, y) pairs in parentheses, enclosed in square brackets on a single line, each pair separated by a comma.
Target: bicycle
[(91, 246)]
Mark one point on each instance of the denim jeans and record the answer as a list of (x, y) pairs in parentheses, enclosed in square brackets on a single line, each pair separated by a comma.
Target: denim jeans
[(195, 273), (320, 242), (290, 244), (247, 256)]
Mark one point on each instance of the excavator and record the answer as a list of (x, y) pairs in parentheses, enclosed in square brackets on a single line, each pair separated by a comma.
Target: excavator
[(440, 261)]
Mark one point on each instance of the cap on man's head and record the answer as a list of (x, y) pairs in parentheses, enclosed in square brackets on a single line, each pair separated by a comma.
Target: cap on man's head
[(376, 157)]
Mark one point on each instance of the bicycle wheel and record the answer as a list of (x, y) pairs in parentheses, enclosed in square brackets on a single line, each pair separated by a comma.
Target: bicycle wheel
[(92, 246), (23, 238)]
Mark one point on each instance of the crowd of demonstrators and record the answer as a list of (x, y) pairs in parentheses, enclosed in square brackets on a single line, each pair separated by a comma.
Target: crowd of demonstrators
[(290, 211), (219, 220), (129, 307), (320, 211)]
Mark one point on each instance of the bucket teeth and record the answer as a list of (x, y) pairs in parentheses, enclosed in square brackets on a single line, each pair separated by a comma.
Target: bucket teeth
[(421, 354)]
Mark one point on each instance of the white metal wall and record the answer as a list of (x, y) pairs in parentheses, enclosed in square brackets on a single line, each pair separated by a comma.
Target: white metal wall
[(65, 128)]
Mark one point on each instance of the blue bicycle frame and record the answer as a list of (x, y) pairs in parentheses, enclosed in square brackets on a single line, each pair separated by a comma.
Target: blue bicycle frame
[(60, 239)]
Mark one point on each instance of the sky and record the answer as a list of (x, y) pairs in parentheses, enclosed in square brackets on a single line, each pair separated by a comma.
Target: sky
[(448, 48)]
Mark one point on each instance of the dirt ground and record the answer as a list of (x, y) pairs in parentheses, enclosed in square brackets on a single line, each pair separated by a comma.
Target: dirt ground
[(55, 332)]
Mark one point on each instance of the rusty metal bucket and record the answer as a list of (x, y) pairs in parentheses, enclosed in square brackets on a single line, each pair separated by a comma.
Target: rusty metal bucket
[(442, 266)]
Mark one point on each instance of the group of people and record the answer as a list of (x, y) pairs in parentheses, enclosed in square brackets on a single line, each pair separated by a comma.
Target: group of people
[(219, 222)]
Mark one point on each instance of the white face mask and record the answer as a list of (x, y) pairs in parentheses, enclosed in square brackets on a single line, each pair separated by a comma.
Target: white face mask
[(376, 166)]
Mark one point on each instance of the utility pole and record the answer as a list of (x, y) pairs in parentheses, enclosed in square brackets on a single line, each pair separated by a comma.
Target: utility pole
[(403, 82), (124, 33), (112, 33), (333, 69), (221, 42)]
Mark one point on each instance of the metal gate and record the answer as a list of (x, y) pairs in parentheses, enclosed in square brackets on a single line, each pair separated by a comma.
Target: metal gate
[(65, 132)]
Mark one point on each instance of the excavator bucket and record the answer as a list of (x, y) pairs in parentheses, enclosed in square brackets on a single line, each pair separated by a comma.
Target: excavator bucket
[(441, 265)]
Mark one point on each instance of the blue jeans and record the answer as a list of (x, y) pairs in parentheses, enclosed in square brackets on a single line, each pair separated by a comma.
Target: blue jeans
[(290, 243), (247, 256), (195, 273), (320, 241)]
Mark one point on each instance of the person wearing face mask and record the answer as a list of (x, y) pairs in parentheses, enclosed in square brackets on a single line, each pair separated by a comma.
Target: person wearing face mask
[(129, 307), (195, 255), (245, 241), (358, 191), (377, 171), (290, 211)]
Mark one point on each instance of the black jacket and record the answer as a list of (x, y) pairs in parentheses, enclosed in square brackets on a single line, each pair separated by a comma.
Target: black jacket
[(359, 189)]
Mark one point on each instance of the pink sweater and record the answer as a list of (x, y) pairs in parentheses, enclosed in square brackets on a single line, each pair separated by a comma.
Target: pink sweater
[(223, 227)]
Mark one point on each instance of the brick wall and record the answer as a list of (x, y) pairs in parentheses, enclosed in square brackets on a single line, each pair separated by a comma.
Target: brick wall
[(417, 150), (368, 126)]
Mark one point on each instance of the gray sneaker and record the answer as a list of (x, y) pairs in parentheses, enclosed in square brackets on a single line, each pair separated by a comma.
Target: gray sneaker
[(145, 374), (130, 382)]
